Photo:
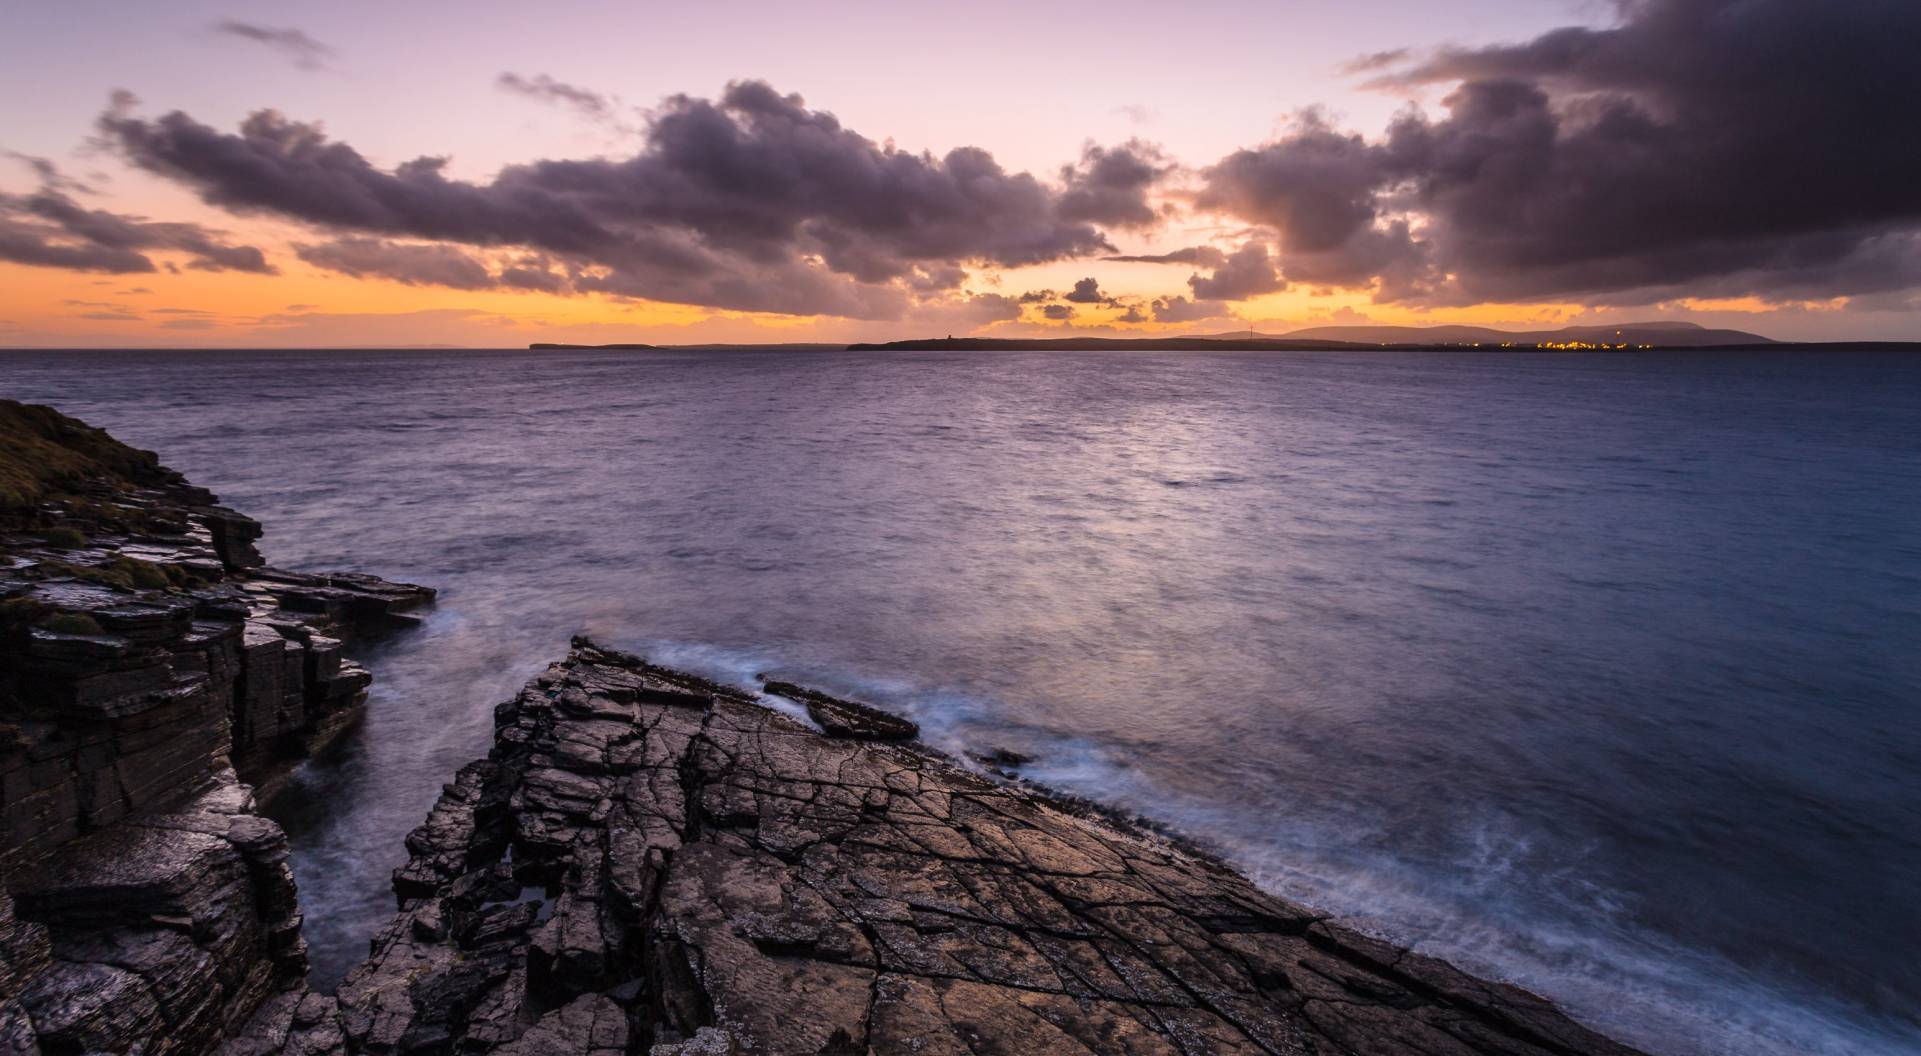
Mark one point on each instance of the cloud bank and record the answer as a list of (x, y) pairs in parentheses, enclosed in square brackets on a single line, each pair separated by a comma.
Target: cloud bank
[(1693, 148), (48, 228), (1719, 147), (751, 202)]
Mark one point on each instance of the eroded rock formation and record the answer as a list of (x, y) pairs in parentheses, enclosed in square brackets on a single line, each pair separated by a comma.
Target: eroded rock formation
[(145, 654), (650, 862), (646, 862)]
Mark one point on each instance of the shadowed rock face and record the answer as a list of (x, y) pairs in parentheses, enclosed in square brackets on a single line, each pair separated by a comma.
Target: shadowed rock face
[(144, 655), (650, 862)]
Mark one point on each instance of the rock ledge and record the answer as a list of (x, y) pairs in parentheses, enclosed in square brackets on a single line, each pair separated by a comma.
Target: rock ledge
[(649, 862), (149, 663)]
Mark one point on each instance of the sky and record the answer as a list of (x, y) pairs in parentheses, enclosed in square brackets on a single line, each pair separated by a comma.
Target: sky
[(489, 174)]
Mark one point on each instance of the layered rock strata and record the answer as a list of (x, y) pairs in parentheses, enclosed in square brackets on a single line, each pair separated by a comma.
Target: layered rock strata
[(146, 654), (648, 862)]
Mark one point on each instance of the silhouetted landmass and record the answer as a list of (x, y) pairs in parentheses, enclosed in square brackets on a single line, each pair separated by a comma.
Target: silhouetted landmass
[(1098, 344), (790, 346), (1665, 334), (1625, 337)]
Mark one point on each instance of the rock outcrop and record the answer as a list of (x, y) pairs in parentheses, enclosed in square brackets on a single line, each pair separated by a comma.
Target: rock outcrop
[(846, 718), (146, 654), (648, 862)]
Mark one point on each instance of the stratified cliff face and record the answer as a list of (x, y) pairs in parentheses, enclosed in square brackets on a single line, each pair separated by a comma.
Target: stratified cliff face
[(144, 655), (651, 862)]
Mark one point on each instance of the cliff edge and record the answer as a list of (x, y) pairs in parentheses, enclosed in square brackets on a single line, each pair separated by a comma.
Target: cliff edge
[(149, 664)]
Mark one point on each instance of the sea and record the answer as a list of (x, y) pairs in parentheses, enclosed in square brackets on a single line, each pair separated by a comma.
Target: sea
[(1599, 673)]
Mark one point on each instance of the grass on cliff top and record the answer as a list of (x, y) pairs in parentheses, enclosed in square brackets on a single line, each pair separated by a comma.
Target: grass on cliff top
[(43, 451)]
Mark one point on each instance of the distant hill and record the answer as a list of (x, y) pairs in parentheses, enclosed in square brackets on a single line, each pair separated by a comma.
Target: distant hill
[(791, 346), (1657, 334), (1100, 344), (1622, 336)]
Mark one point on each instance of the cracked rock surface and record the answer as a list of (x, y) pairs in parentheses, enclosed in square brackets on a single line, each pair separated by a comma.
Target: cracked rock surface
[(647, 862)]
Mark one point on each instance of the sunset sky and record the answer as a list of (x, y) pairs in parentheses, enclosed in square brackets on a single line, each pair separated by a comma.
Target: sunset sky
[(488, 174)]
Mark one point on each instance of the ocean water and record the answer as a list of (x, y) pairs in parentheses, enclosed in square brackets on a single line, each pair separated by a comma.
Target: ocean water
[(1598, 673)]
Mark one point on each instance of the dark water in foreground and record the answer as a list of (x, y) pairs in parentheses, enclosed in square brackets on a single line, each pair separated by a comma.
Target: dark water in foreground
[(1599, 673)]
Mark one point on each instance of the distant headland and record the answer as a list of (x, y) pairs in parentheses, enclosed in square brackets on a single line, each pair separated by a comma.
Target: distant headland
[(1622, 337)]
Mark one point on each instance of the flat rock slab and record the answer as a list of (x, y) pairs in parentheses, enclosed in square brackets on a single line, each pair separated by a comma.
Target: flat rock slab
[(647, 862)]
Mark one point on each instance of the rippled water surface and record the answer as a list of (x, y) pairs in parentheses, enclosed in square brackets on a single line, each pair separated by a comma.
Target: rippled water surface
[(1599, 673)]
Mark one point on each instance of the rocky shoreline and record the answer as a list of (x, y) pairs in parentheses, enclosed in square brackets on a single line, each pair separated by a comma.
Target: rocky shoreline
[(646, 861), (153, 673)]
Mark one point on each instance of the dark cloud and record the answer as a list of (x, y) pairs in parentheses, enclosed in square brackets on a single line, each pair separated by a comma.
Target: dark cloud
[(751, 202), (49, 229), (1110, 185), (1320, 189), (1058, 311), (1182, 310), (1725, 146), (1197, 256), (433, 264), (49, 174), (1038, 296), (602, 109), (1086, 291), (534, 273), (43, 247), (415, 263), (299, 48), (1134, 314), (1374, 62), (966, 311), (1247, 272)]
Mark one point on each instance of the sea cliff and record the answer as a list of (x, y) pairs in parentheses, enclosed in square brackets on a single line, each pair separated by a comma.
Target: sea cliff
[(153, 672), (645, 861)]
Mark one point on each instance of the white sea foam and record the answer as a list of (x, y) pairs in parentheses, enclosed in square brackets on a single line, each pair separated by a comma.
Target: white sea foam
[(1482, 910)]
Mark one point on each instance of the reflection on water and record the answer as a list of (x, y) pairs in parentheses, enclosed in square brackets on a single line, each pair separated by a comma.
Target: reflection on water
[(1595, 672)]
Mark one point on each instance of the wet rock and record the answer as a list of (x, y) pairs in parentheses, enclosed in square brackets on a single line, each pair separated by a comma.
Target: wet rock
[(707, 1041), (145, 652), (847, 718), (1001, 760), (718, 878)]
